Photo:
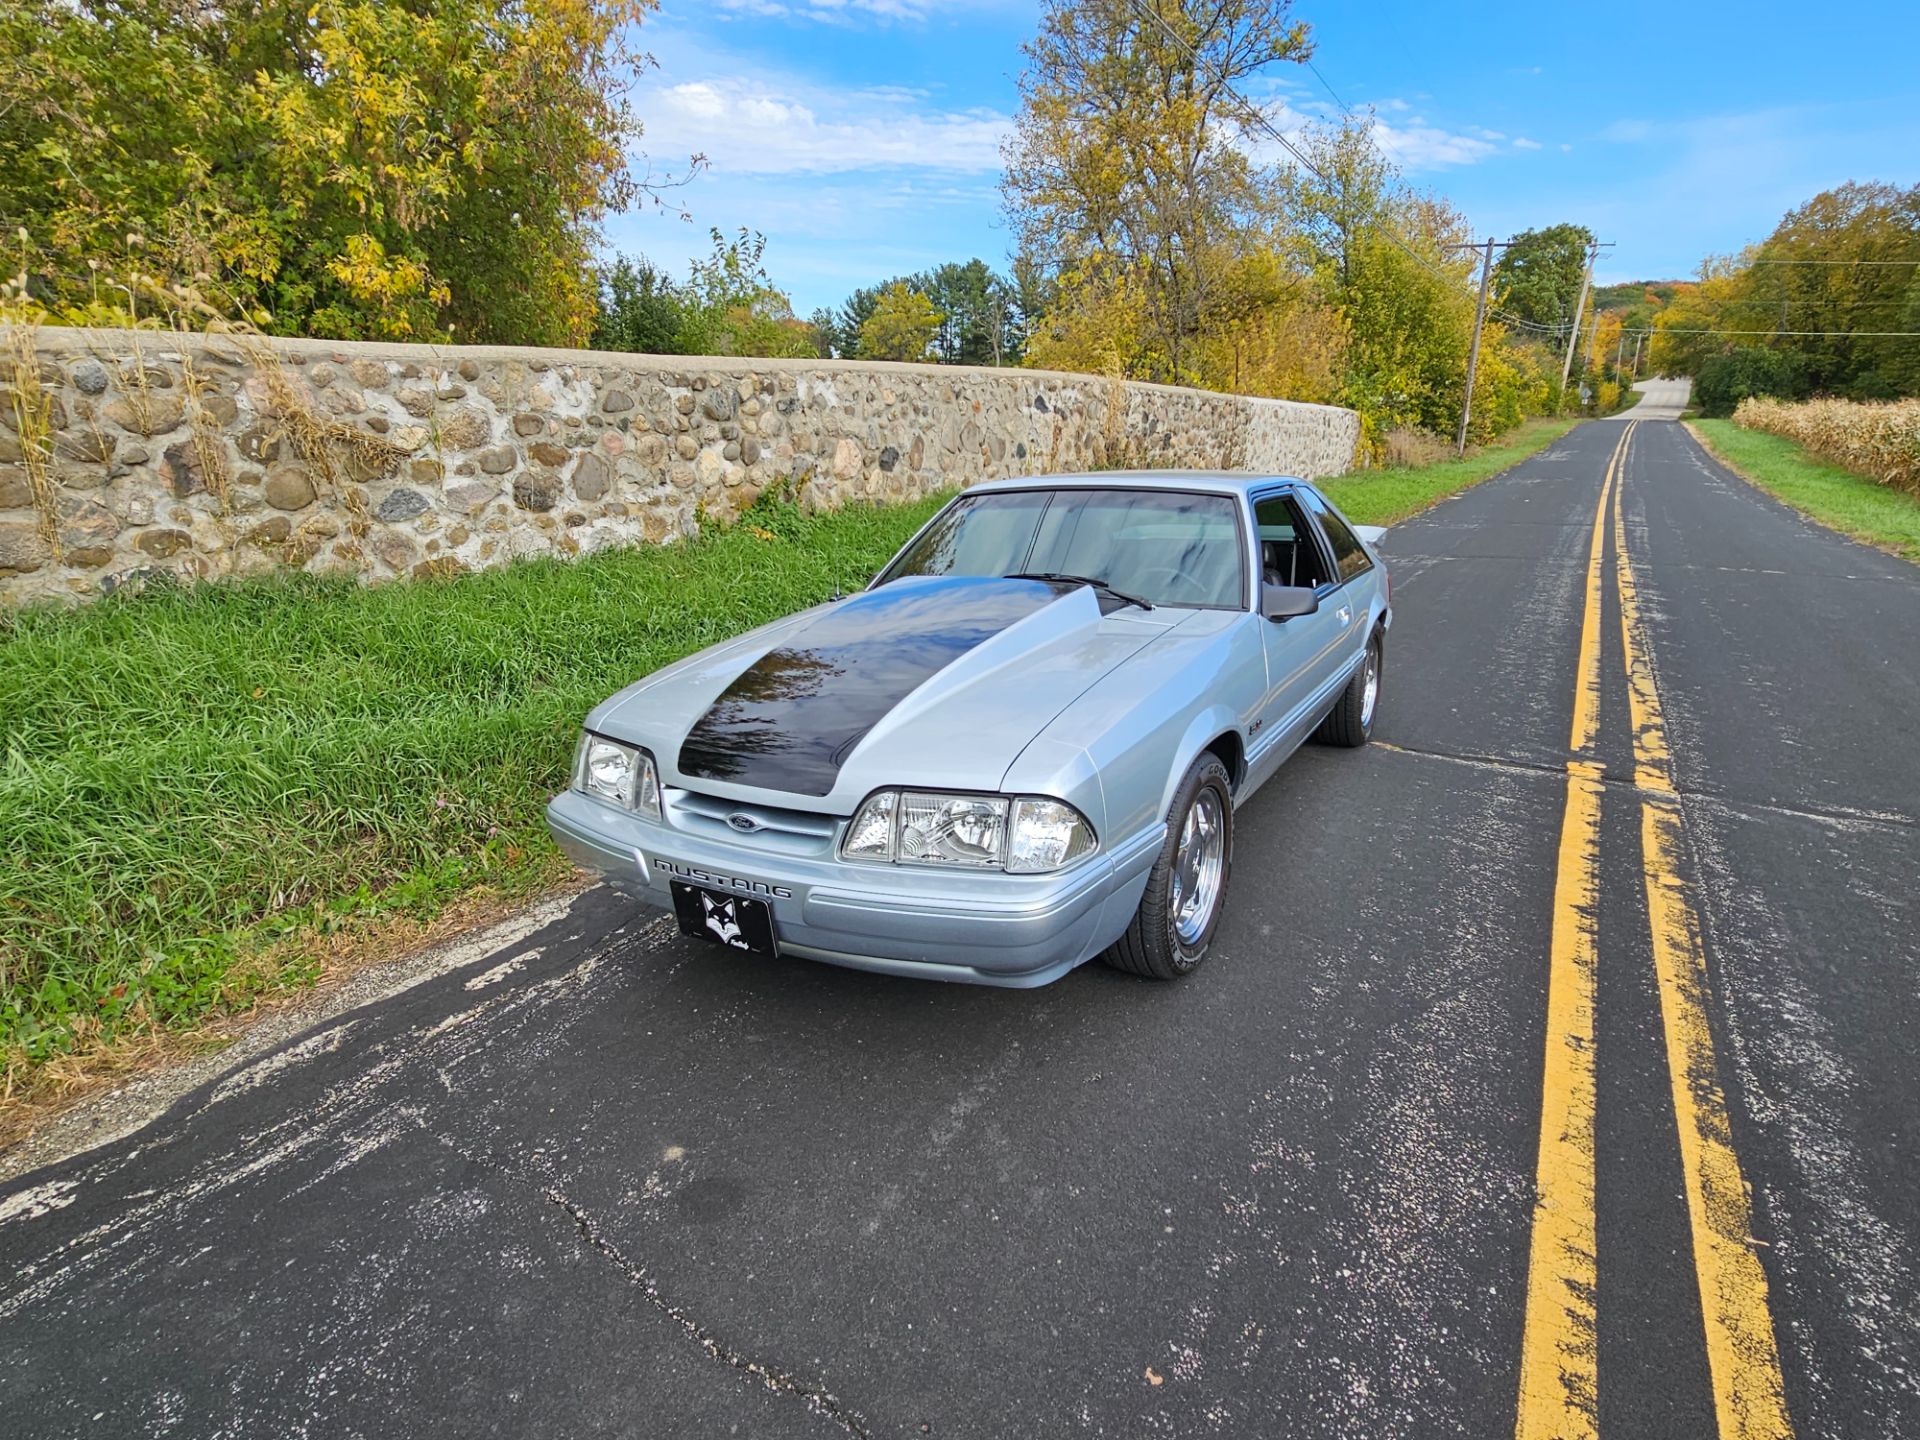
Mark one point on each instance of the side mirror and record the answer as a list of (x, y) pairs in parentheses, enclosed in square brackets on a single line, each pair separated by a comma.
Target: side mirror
[(1283, 602)]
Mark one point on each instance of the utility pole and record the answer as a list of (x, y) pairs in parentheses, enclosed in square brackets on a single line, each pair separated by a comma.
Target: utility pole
[(1473, 354), (1579, 314)]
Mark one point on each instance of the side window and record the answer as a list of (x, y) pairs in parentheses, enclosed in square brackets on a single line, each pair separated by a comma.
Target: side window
[(1289, 553), (1348, 553)]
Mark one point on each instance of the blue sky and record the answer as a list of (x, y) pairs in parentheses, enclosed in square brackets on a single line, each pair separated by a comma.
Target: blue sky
[(861, 136)]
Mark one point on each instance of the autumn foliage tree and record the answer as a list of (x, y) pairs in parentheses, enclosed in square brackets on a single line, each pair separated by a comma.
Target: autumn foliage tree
[(353, 168), (1128, 173)]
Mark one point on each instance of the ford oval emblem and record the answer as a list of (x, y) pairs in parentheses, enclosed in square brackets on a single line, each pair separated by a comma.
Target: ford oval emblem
[(745, 824)]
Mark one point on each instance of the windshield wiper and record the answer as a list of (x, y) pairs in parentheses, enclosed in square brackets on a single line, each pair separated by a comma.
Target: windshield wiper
[(1092, 580)]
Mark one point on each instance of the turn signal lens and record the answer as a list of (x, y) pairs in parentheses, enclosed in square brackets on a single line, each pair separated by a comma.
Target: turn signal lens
[(870, 836), (1046, 836)]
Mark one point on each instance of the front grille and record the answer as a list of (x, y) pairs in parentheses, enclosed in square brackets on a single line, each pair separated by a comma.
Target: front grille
[(785, 832)]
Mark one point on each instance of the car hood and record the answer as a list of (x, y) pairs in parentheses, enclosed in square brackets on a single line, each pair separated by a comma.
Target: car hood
[(936, 681)]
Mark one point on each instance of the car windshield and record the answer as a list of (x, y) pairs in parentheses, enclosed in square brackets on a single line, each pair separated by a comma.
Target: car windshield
[(1164, 546)]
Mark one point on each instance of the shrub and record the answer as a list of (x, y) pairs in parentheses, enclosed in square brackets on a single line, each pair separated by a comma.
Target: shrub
[(1747, 370), (1880, 441)]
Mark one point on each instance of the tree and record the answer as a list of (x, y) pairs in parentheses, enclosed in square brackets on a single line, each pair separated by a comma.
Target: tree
[(980, 325), (732, 308), (1128, 159), (1341, 195), (1728, 378), (640, 309), (355, 168), (902, 326), (1539, 275)]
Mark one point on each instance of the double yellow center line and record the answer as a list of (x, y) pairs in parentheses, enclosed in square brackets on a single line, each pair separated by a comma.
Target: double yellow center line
[(1559, 1369)]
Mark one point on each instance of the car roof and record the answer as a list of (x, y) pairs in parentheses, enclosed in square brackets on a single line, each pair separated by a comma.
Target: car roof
[(1215, 482)]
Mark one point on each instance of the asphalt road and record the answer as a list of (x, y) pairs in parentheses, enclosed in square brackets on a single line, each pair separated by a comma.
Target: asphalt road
[(1350, 1180)]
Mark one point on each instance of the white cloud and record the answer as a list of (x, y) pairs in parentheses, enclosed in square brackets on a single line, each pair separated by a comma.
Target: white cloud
[(1521, 142), (1414, 145), (839, 12), (757, 126), (1419, 147)]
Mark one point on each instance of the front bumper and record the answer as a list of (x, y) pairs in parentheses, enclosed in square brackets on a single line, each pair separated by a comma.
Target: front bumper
[(979, 928)]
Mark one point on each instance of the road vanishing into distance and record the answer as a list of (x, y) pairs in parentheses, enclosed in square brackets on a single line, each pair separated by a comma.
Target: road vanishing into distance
[(1554, 1074)]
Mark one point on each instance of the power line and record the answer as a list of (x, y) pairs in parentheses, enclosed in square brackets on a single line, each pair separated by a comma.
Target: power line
[(1345, 108), (1914, 261), (1794, 334)]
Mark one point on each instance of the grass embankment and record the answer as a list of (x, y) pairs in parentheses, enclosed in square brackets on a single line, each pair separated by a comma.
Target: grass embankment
[(203, 786), (1382, 497), (1836, 498)]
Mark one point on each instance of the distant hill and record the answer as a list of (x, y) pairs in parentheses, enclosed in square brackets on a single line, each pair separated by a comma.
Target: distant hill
[(1651, 294)]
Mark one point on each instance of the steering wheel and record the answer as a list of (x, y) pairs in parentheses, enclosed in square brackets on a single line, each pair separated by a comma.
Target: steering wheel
[(1173, 573)]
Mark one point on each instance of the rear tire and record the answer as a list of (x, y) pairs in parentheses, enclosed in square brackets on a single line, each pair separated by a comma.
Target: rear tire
[(1173, 929), (1350, 722)]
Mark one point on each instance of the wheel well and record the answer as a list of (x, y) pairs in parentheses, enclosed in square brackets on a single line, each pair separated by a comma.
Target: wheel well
[(1232, 755)]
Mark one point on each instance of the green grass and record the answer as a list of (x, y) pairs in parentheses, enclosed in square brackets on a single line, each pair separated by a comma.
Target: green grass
[(192, 774), (1836, 498), (1382, 497)]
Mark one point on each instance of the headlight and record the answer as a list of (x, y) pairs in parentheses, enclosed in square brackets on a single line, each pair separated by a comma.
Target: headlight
[(619, 774), (1026, 835)]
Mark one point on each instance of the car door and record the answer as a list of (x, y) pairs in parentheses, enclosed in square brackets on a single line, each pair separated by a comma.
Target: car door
[(1356, 577), (1305, 653)]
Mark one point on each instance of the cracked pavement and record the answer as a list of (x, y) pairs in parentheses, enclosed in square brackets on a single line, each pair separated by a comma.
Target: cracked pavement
[(605, 1181)]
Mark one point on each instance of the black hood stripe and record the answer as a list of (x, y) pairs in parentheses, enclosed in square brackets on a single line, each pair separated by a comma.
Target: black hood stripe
[(789, 721)]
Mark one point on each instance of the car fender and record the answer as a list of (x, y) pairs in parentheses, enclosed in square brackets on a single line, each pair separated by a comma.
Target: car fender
[(1202, 730)]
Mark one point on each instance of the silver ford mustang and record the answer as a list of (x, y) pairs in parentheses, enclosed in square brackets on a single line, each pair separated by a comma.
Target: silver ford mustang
[(1020, 747)]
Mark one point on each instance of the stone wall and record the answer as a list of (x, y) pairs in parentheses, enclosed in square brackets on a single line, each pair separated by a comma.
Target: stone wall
[(230, 456)]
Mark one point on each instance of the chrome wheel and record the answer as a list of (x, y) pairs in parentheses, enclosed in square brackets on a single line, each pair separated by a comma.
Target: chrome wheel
[(1198, 867), (1369, 686)]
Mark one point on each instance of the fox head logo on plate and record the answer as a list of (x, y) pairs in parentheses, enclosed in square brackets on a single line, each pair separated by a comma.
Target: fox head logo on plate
[(720, 919)]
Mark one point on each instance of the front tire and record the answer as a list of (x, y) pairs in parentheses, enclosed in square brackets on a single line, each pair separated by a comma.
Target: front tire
[(1350, 722), (1173, 929)]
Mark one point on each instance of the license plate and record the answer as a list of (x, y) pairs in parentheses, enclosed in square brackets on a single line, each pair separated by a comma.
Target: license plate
[(731, 920)]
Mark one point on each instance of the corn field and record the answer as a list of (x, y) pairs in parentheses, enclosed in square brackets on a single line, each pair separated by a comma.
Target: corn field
[(1881, 441)]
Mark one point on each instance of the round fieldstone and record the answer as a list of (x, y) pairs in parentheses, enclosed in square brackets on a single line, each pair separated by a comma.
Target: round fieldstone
[(181, 465), (150, 416), (16, 490), (22, 551), (592, 477), (469, 497), (396, 550), (614, 401), (401, 504), (499, 460), (536, 492), (90, 377), (261, 443), (526, 423), (273, 531), (545, 452), (289, 488), (163, 544), (889, 457), (464, 428)]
